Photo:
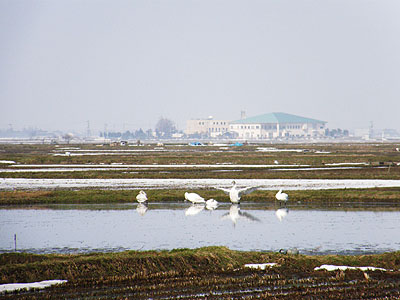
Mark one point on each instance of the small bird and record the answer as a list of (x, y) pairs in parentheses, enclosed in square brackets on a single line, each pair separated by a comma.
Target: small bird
[(282, 196), (194, 198), (235, 194), (141, 197)]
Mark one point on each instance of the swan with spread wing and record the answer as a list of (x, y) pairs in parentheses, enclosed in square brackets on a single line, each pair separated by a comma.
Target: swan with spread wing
[(235, 193)]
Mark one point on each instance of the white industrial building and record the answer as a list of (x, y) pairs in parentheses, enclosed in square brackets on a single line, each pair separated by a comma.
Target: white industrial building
[(266, 126), (277, 125), (209, 127)]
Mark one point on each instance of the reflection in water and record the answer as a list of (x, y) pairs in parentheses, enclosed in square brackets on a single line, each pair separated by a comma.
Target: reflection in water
[(281, 213), (194, 209), (235, 214), (141, 208)]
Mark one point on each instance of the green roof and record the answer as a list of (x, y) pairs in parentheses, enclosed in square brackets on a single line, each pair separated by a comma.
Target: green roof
[(277, 117)]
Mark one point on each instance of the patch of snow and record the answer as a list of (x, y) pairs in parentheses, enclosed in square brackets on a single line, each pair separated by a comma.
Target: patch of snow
[(344, 268), (322, 168), (7, 162), (348, 163), (216, 171), (9, 287), (102, 165), (271, 149), (260, 266)]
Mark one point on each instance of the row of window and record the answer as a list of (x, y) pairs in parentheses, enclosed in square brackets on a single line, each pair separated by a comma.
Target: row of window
[(217, 129), (266, 127), (214, 123)]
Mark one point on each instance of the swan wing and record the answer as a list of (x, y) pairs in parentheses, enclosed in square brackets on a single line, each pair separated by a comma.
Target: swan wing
[(226, 191), (248, 190)]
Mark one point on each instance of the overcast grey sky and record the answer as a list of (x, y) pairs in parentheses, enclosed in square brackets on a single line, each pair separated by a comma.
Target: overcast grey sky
[(126, 63)]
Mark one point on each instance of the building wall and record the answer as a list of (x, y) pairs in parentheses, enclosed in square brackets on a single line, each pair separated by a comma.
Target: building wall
[(276, 130), (207, 126)]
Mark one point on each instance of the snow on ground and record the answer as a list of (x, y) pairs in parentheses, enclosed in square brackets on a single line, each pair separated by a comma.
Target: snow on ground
[(83, 168), (188, 184), (348, 163), (327, 168), (9, 287), (271, 149), (157, 166), (344, 268), (7, 162)]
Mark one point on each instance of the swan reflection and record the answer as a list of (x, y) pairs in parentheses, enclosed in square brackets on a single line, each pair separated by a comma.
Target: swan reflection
[(281, 213), (235, 214), (194, 209), (141, 208)]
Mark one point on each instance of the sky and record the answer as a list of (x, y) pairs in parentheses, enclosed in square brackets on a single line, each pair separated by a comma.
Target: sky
[(124, 64)]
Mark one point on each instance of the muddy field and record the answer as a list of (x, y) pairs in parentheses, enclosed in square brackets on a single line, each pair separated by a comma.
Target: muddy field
[(206, 273), (322, 161)]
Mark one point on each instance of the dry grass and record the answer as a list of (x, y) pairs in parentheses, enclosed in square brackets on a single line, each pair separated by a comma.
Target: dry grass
[(205, 273)]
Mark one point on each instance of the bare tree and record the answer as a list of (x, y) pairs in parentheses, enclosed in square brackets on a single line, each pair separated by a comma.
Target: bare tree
[(165, 127)]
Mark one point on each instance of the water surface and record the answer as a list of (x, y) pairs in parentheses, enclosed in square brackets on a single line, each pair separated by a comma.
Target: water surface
[(88, 228)]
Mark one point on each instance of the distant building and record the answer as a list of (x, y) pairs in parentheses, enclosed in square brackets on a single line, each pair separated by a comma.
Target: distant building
[(277, 125), (207, 127)]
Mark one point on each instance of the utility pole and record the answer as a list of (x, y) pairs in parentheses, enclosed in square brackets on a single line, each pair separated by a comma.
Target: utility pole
[(88, 133), (371, 129), (105, 131)]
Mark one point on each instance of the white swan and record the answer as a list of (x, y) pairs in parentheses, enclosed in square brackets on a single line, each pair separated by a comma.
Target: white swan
[(282, 196), (211, 204), (235, 194), (281, 213), (194, 198), (141, 197)]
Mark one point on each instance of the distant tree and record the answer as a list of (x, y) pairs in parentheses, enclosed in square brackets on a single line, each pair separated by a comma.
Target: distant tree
[(149, 133), (68, 137), (139, 134), (165, 127), (127, 135)]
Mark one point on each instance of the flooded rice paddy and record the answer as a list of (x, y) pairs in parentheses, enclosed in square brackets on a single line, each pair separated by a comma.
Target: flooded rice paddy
[(92, 228)]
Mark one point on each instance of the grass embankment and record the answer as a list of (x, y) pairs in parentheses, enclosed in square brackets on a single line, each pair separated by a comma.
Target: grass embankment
[(205, 273), (364, 196)]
